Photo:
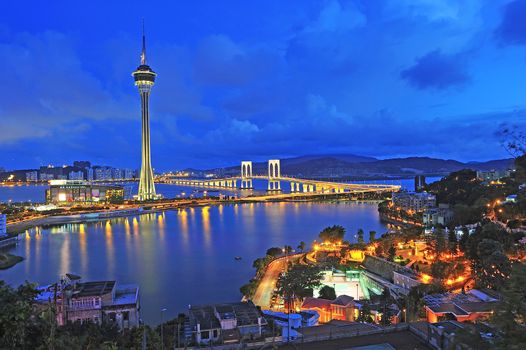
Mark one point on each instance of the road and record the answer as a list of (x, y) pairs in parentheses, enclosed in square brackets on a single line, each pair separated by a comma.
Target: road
[(268, 282)]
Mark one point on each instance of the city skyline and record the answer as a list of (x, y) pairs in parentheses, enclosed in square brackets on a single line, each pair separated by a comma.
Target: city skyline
[(307, 76)]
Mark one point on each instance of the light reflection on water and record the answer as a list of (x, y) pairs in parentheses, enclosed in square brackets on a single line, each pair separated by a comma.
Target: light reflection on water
[(183, 256)]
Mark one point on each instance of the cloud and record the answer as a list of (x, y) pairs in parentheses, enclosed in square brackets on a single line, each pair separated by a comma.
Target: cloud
[(436, 70), (221, 62), (337, 16), (48, 86), (512, 29)]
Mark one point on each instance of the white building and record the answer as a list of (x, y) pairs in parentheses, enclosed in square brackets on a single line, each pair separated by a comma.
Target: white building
[(32, 176), (76, 175), (438, 216), (3, 225), (493, 175), (129, 174), (89, 174), (117, 174), (103, 173), (416, 201), (46, 176)]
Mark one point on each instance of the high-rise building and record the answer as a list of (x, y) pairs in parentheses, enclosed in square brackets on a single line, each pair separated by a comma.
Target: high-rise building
[(32, 175), (420, 183), (117, 174), (76, 175), (103, 173), (88, 173), (144, 79), (129, 174)]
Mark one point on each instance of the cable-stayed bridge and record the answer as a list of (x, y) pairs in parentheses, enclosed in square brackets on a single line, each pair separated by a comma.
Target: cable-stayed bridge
[(297, 186)]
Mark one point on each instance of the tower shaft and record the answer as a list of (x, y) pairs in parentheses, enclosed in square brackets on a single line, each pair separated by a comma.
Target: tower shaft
[(146, 183)]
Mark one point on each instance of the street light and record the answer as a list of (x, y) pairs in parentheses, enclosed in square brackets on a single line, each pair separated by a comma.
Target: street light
[(162, 330)]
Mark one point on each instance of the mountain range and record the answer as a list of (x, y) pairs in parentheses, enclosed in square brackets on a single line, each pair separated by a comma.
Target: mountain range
[(355, 166)]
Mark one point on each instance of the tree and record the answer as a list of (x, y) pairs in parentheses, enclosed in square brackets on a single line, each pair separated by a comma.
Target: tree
[(463, 242), (18, 328), (440, 269), (332, 234), (510, 316), (302, 246), (327, 292), (436, 241), (492, 267), (296, 282), (365, 314), (385, 301), (360, 235), (391, 253), (452, 242), (274, 252), (372, 236)]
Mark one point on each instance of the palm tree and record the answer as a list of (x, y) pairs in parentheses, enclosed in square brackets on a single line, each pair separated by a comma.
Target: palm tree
[(301, 246)]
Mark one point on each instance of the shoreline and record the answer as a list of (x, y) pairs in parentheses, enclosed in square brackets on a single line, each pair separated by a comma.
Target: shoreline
[(17, 228)]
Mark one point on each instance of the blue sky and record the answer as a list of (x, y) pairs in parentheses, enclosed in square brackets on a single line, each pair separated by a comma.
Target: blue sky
[(260, 79)]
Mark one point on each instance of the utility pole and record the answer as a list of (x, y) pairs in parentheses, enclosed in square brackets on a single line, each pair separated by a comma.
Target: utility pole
[(162, 330)]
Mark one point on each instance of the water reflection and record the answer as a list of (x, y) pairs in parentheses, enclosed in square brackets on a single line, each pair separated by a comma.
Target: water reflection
[(182, 218), (83, 248), (205, 215), (65, 256), (110, 252), (179, 257)]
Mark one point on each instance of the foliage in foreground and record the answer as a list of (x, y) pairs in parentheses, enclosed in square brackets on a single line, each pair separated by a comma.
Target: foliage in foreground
[(24, 325)]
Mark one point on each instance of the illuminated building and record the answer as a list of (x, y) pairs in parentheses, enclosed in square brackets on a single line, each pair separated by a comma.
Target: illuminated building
[(103, 173), (415, 201), (93, 302), (32, 176), (461, 307), (76, 175), (144, 79), (78, 191), (438, 216), (342, 308)]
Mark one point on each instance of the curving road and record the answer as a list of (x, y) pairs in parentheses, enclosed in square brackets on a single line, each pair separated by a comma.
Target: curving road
[(268, 281)]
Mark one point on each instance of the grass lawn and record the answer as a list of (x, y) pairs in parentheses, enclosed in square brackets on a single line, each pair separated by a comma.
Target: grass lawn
[(9, 260)]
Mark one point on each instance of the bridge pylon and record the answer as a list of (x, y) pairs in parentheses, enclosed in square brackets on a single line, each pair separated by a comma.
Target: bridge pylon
[(274, 174), (246, 174)]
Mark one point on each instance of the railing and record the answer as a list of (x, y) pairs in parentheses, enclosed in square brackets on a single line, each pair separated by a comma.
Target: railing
[(333, 335)]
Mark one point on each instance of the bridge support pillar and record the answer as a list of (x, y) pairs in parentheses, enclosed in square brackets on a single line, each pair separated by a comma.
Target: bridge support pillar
[(246, 184), (274, 185)]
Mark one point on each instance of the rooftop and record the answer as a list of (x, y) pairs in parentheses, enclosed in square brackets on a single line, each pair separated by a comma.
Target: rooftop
[(460, 304), (245, 313), (126, 294), (99, 288)]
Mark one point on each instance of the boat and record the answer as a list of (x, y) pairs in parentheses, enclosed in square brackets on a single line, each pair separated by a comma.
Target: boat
[(238, 258)]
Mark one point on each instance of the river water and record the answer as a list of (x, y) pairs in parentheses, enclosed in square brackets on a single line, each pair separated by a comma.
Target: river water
[(36, 193), (181, 257)]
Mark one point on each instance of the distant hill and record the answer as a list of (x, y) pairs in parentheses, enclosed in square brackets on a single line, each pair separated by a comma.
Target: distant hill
[(342, 166)]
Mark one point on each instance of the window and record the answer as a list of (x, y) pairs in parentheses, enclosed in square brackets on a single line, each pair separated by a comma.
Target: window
[(205, 335), (125, 315)]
